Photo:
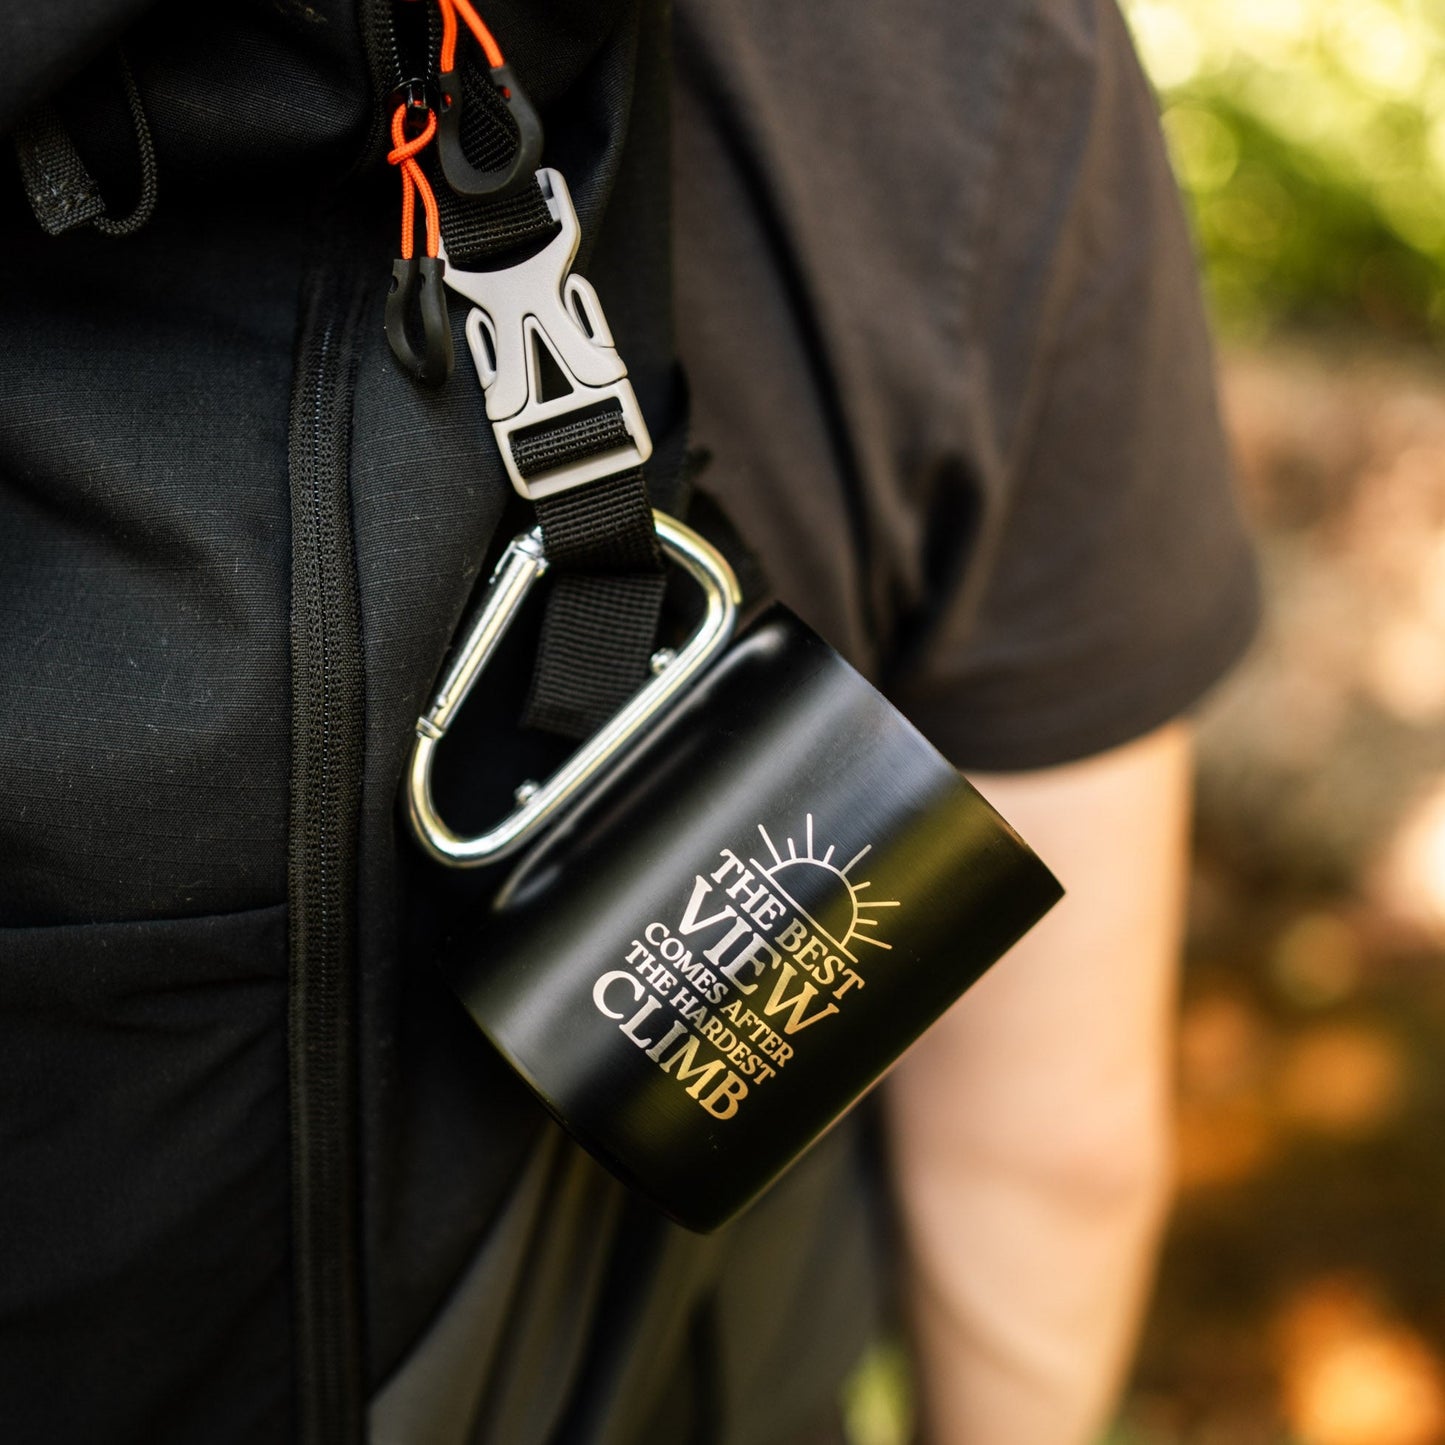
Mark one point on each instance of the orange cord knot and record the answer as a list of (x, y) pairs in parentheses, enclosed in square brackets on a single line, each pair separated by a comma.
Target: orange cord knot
[(414, 181)]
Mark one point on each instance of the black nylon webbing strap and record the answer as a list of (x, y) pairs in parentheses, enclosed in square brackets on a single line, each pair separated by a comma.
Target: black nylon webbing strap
[(586, 433), (602, 613), (602, 609), (479, 229), (597, 636), (605, 526), (601, 621)]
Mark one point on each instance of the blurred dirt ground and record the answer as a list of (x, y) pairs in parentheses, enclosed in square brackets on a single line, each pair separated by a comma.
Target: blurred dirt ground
[(1301, 1298)]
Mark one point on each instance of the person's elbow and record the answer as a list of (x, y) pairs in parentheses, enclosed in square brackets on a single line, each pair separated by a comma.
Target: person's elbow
[(1111, 1155)]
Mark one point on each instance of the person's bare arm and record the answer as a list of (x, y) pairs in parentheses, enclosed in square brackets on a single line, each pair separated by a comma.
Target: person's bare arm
[(1029, 1128)]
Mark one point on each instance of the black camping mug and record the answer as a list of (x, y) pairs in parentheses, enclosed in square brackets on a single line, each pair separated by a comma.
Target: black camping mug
[(731, 934)]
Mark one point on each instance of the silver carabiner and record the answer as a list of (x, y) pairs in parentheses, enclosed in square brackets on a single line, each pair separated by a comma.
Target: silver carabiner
[(522, 566)]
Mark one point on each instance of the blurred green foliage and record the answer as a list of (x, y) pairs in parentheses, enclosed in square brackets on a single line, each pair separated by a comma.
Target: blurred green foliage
[(878, 1397), (1309, 136)]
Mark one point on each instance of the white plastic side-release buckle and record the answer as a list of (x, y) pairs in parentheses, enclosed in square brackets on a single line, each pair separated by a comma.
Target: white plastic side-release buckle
[(539, 304)]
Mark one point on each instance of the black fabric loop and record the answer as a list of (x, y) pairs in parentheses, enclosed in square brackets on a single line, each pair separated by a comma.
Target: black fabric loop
[(488, 133), (605, 526), (62, 192), (602, 613), (60, 189), (597, 637)]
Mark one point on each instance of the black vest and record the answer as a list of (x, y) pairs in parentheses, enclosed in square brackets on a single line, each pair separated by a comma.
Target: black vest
[(257, 1169)]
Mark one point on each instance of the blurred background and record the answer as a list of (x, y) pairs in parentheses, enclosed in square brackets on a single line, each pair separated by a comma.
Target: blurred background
[(1301, 1299), (1302, 1294)]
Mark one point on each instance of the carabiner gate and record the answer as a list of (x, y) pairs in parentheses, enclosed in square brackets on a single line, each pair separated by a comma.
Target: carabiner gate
[(521, 567)]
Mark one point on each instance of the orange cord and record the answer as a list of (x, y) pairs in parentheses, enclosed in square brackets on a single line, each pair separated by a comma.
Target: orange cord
[(413, 181), (405, 151), (449, 35), (450, 9)]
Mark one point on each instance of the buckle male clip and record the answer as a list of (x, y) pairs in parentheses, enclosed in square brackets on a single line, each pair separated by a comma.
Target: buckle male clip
[(538, 304)]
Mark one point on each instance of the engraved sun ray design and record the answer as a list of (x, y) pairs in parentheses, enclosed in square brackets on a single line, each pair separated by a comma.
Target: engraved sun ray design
[(847, 903)]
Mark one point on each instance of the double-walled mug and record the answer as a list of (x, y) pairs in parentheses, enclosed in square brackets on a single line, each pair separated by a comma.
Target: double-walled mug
[(730, 936)]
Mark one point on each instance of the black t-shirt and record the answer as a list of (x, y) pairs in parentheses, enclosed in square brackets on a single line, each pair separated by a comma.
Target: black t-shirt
[(938, 308), (942, 320)]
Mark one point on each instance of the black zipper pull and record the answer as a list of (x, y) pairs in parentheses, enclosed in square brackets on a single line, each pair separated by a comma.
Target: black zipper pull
[(417, 291), (417, 298), (417, 326), (465, 178)]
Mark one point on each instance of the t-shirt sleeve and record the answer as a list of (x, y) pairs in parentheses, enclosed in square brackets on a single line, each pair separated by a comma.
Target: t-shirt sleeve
[(1106, 582)]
